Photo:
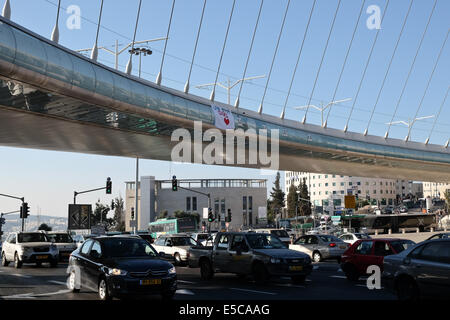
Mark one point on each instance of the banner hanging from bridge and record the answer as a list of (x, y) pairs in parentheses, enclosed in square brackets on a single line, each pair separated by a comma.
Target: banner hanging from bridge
[(223, 118)]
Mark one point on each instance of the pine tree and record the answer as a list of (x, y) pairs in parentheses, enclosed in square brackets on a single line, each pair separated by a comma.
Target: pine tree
[(305, 206), (277, 195), (292, 201)]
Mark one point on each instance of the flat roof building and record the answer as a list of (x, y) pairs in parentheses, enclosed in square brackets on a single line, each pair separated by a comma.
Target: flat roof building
[(242, 196)]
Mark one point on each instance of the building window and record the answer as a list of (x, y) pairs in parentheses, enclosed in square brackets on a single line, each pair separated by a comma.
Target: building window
[(244, 211), (188, 204), (326, 184), (350, 183), (326, 176), (326, 192), (194, 203), (334, 184), (342, 191), (334, 191), (342, 184), (250, 210), (358, 183), (334, 176)]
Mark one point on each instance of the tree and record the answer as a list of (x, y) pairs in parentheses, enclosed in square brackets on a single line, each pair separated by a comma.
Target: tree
[(292, 201), (163, 214), (447, 199), (45, 227), (100, 216), (277, 197), (182, 214), (119, 214), (304, 206)]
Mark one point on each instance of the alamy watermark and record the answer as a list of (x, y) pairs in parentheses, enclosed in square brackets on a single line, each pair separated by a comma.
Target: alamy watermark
[(374, 20), (73, 22), (228, 149)]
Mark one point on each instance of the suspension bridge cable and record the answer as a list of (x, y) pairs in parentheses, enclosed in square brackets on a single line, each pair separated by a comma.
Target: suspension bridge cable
[(274, 56), (389, 67), (345, 61), (236, 104), (158, 78), (321, 62), (223, 50), (186, 87), (55, 32), (437, 116), (365, 68), (94, 52), (410, 70), (298, 60), (429, 81), (129, 64)]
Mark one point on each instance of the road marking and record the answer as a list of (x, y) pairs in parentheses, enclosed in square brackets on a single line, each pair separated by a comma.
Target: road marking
[(21, 275), (184, 281), (339, 277), (365, 286), (34, 295), (184, 291), (315, 267), (289, 285), (58, 282), (254, 291)]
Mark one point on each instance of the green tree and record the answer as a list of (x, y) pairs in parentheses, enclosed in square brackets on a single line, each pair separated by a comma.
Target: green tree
[(447, 199), (277, 197), (163, 214), (45, 227), (183, 214), (119, 214), (304, 206), (292, 201), (100, 216)]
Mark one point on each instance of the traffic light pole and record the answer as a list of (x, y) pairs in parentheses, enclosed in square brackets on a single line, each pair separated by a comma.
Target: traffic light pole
[(75, 193), (18, 198)]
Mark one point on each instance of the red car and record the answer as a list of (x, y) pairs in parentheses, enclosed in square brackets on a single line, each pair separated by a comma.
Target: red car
[(367, 252)]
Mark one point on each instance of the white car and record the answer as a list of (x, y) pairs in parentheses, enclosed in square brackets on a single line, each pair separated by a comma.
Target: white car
[(66, 245), (29, 247), (175, 245), (351, 238), (280, 233), (323, 229), (201, 237)]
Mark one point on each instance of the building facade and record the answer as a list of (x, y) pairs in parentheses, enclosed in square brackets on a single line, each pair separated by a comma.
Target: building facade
[(243, 197), (435, 190), (327, 191)]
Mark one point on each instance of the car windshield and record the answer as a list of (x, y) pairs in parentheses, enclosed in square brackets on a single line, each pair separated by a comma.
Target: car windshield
[(280, 233), (401, 245), (362, 236), (128, 247), (202, 237), (264, 241), (183, 241), (32, 237), (329, 238), (60, 238)]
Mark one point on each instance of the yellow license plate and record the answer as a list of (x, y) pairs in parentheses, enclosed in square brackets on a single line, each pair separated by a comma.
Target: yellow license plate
[(296, 268), (150, 282), (41, 257), (65, 253), (342, 247)]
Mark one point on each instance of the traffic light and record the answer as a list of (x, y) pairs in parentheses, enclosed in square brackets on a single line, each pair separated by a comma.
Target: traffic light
[(2, 221), (112, 205), (108, 186), (24, 211), (132, 213), (210, 215), (174, 183), (229, 216)]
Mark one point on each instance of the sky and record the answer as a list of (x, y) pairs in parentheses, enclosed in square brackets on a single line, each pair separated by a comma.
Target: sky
[(47, 179)]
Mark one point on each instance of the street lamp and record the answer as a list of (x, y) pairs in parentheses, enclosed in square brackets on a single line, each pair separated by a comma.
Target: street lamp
[(117, 52), (139, 52), (229, 87), (409, 124), (322, 109)]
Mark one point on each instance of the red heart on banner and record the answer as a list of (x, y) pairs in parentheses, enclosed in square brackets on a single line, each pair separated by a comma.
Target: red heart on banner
[(227, 122)]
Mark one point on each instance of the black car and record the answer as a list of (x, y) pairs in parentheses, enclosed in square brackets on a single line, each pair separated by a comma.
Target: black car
[(440, 236), (119, 266)]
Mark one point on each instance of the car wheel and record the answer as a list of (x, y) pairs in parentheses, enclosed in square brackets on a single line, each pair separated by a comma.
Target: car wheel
[(260, 273), (5, 262), (103, 290), (72, 282), (17, 262), (298, 279), (206, 271), (350, 272), (317, 257), (407, 290), (177, 258)]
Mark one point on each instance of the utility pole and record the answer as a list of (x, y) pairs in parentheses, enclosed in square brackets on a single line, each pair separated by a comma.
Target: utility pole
[(23, 201)]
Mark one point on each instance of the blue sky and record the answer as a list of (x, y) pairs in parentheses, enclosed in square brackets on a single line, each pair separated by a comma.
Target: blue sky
[(48, 179)]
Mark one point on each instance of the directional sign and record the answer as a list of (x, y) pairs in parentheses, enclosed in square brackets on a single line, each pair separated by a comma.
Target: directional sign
[(79, 216), (350, 202)]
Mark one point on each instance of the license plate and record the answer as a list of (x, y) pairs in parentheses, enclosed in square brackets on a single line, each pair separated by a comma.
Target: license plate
[(149, 282), (296, 268), (41, 257), (343, 247)]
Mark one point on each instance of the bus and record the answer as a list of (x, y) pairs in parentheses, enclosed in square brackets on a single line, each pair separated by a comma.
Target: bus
[(171, 226)]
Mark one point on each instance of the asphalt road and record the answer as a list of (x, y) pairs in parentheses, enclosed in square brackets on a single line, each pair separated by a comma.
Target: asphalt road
[(327, 282)]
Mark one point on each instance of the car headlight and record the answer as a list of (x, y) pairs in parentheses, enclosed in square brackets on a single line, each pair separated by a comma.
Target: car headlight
[(172, 270), (275, 260), (116, 272)]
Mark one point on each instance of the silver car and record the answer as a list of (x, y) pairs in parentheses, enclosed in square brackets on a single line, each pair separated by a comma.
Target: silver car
[(419, 271), (320, 247)]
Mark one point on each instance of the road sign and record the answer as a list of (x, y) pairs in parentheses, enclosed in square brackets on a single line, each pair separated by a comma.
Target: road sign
[(79, 216), (350, 202), (205, 213), (132, 223)]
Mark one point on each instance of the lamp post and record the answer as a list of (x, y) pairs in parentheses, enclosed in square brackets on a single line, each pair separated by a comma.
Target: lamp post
[(140, 52), (321, 109), (229, 86), (409, 124), (117, 52)]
